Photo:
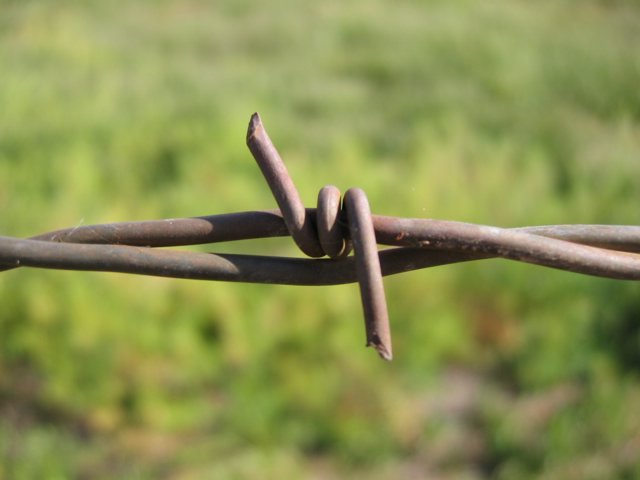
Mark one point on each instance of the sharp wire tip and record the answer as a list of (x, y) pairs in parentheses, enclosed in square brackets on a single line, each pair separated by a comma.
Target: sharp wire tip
[(254, 123), (383, 350), (384, 354)]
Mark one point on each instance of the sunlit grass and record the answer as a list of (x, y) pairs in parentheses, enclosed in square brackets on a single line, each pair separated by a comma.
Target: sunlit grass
[(501, 113)]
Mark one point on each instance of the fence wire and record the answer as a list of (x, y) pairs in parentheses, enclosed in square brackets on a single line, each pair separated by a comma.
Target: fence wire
[(334, 228)]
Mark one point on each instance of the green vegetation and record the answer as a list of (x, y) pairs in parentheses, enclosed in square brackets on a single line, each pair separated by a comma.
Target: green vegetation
[(506, 113)]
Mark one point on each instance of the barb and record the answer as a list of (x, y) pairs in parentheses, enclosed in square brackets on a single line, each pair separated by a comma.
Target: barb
[(611, 251), (374, 302), (327, 237), (283, 189)]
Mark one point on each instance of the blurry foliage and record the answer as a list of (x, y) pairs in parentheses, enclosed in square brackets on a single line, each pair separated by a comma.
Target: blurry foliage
[(505, 113)]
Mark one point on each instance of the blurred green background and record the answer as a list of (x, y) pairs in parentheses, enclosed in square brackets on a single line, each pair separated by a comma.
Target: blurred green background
[(505, 113)]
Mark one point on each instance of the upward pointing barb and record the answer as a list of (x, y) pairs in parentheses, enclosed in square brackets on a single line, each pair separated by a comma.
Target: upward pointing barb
[(254, 123), (275, 172)]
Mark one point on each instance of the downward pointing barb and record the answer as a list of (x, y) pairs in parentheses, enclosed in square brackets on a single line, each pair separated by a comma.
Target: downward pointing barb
[(374, 303), (385, 354)]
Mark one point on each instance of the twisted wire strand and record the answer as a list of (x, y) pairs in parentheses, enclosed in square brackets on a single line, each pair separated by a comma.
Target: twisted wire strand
[(333, 228), (253, 225), (492, 243)]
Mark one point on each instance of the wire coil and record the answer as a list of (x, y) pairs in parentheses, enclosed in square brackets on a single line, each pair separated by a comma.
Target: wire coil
[(326, 236)]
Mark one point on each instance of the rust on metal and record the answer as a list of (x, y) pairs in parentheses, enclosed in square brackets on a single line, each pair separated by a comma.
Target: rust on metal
[(611, 251), (327, 238), (374, 303), (332, 238), (285, 192)]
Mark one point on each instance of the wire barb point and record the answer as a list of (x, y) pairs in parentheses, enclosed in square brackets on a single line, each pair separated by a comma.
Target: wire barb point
[(382, 350), (254, 123)]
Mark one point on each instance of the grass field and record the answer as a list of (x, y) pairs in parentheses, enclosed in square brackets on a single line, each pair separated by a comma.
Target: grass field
[(503, 113)]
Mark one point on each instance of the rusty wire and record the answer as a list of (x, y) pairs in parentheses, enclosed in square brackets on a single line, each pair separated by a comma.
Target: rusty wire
[(332, 229)]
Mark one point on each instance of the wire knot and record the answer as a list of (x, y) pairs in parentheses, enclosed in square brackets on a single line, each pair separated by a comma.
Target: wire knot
[(325, 235)]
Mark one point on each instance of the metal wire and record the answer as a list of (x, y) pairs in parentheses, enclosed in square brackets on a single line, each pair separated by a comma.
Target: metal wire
[(611, 251), (434, 243)]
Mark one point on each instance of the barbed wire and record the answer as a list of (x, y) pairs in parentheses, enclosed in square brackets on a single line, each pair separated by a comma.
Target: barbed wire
[(333, 229)]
